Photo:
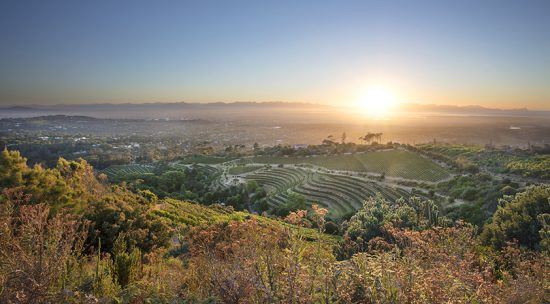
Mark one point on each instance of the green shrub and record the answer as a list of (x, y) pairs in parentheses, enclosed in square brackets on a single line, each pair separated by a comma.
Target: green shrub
[(126, 262), (519, 219)]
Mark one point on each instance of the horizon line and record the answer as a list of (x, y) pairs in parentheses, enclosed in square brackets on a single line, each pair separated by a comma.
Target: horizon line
[(130, 103)]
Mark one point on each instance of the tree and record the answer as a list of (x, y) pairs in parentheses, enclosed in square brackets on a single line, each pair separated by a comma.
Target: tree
[(71, 184), (369, 137), (344, 136), (329, 141), (378, 137), (294, 202), (12, 168)]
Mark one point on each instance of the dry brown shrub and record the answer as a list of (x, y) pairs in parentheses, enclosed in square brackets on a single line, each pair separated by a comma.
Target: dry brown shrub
[(39, 253), (442, 265), (250, 262)]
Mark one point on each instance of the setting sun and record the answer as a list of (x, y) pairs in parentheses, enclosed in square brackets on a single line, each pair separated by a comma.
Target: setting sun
[(377, 102)]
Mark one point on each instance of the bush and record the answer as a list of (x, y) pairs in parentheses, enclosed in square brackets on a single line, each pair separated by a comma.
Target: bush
[(378, 214), (517, 219), (125, 213)]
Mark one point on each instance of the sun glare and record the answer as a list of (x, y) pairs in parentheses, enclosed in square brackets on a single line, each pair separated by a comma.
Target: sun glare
[(377, 102)]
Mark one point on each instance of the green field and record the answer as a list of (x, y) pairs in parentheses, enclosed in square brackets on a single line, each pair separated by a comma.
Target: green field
[(119, 171), (114, 171), (394, 163), (243, 169), (340, 194)]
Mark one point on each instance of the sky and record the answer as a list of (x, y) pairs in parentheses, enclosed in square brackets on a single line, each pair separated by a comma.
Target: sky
[(488, 53)]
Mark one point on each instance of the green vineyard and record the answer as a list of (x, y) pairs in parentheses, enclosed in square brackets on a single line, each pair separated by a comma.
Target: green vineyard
[(452, 150), (136, 169), (340, 194), (337, 182), (115, 171), (392, 163)]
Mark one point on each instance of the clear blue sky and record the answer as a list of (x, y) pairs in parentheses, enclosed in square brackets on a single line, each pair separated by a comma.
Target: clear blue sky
[(491, 53)]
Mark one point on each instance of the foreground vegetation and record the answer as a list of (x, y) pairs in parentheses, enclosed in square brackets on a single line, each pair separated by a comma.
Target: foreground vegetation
[(67, 235)]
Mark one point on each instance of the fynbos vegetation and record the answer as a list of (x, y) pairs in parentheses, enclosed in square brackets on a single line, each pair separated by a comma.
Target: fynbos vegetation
[(68, 236)]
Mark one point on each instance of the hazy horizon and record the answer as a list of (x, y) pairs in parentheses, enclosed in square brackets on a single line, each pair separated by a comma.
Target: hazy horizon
[(407, 106)]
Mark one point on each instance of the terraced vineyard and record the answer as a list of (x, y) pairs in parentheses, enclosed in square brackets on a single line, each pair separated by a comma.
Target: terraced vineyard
[(336, 182), (279, 179), (340, 194), (114, 171), (392, 163)]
